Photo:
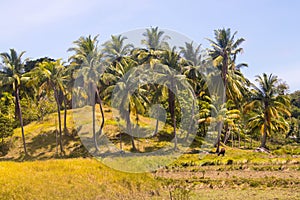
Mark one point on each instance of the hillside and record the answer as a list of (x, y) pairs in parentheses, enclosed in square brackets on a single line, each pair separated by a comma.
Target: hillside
[(41, 141), (76, 175)]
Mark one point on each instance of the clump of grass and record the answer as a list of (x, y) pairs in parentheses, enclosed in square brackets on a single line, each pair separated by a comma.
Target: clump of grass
[(179, 190)]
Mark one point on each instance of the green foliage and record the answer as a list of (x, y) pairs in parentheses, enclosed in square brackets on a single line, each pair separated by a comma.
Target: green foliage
[(33, 111), (6, 126), (268, 108)]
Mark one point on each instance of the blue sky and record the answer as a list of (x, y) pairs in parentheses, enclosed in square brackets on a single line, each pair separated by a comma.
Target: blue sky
[(271, 28)]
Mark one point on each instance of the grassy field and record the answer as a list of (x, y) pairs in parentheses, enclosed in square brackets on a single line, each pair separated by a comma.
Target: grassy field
[(89, 179), (44, 174), (72, 179)]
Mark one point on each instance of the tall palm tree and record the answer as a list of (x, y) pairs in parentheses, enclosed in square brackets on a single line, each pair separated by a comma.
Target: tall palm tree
[(268, 107), (122, 80), (155, 39), (50, 76), (170, 63), (88, 57), (224, 52), (128, 97), (11, 75)]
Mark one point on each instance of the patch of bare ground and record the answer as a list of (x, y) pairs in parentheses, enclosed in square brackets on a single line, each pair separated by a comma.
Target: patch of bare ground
[(207, 172)]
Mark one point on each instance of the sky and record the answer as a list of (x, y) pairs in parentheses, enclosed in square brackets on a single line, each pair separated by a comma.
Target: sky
[(271, 28)]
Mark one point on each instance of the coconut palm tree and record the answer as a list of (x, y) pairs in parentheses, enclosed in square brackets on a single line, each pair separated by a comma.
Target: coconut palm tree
[(116, 48), (170, 64), (128, 97), (192, 54), (268, 107), (11, 73), (155, 39), (88, 59), (50, 76), (224, 53), (122, 80), (225, 50), (193, 66)]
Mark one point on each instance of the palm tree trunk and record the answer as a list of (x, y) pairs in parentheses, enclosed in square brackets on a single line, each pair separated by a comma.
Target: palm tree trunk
[(219, 125), (2, 143), (102, 114), (239, 139), (227, 135), (94, 127), (232, 140), (191, 122), (20, 118), (65, 116), (171, 98), (224, 74), (128, 125), (175, 135), (264, 137), (156, 127), (137, 127), (56, 140), (224, 77), (59, 121)]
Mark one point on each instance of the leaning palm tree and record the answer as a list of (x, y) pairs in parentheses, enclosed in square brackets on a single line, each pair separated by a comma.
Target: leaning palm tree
[(88, 59), (11, 75), (268, 108), (50, 76)]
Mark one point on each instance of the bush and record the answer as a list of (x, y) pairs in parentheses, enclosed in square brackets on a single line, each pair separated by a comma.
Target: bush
[(6, 129)]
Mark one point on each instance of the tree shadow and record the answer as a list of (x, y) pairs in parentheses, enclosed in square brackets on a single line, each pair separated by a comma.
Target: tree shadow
[(43, 147)]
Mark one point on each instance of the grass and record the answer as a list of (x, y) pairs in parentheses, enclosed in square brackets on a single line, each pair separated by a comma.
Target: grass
[(250, 193), (72, 179), (89, 179), (192, 175)]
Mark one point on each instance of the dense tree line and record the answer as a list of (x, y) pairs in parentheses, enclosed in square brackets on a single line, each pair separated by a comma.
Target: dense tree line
[(30, 89)]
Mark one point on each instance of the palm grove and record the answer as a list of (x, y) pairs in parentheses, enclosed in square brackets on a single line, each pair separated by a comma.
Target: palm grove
[(31, 89)]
